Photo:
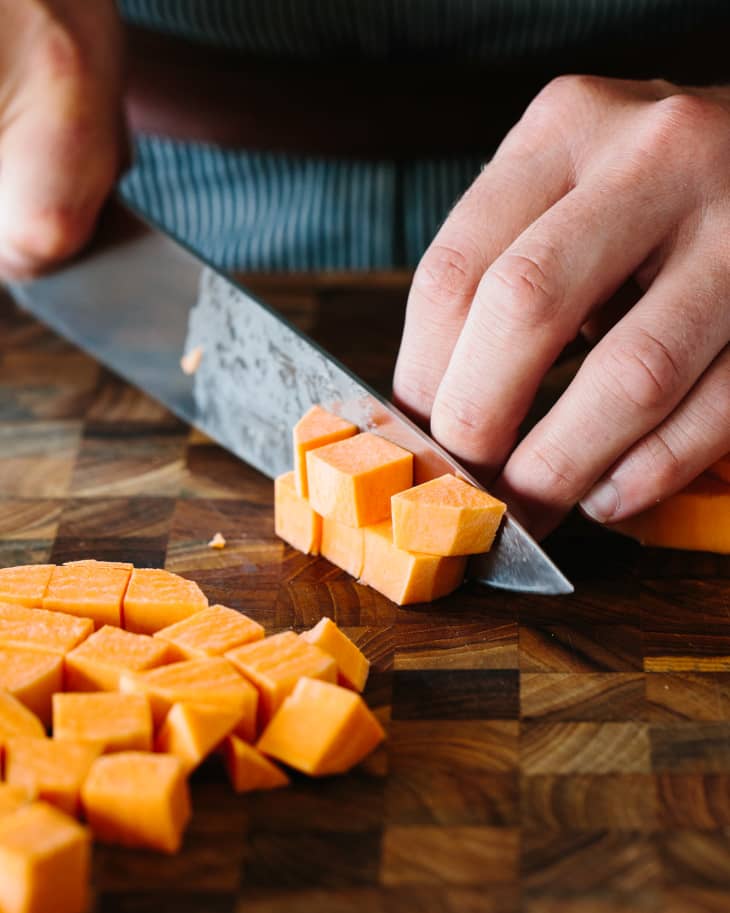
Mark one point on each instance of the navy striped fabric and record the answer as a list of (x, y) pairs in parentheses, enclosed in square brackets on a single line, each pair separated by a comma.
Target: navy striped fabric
[(253, 211)]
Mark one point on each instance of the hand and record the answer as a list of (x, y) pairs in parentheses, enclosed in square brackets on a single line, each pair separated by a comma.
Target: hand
[(600, 181), (61, 126)]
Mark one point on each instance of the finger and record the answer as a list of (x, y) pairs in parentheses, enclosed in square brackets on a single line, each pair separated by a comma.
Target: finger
[(533, 301), (693, 437), (511, 192), (628, 384)]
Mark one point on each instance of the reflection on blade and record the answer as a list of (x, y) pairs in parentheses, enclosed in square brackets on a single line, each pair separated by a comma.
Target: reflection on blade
[(138, 300)]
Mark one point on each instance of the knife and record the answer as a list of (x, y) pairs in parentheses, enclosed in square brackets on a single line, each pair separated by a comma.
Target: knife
[(138, 299)]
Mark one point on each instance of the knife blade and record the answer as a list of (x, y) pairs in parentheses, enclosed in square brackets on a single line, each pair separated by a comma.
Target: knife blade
[(137, 299)]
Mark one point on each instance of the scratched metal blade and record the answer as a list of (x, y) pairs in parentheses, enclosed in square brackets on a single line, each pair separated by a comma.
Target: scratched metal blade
[(138, 299)]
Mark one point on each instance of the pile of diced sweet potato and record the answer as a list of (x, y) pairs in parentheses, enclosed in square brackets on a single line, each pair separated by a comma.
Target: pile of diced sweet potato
[(138, 681)]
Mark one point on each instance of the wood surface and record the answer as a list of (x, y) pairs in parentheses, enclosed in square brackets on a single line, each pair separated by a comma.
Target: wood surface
[(544, 755)]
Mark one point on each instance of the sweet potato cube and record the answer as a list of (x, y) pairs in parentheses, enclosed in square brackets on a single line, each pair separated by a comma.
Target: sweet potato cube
[(137, 799), (12, 798), (314, 429), (209, 632), (45, 862), (321, 729), (445, 516), (156, 599), (97, 663), (696, 518), (37, 629), (294, 520), (25, 585), (196, 681), (16, 720), (93, 589), (353, 480), (248, 769), (342, 545), (407, 577), (32, 676), (720, 470), (275, 664), (52, 770), (352, 667), (192, 731), (107, 719)]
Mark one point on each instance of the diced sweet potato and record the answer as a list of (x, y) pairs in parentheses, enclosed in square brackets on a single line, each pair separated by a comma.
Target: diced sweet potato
[(343, 546), (137, 799), (156, 599), (696, 518), (353, 480), (275, 664), (45, 862), (54, 632), (314, 429), (720, 470), (16, 720), (52, 770), (97, 663), (248, 770), (25, 585), (294, 520), (321, 729), (445, 516), (407, 577), (210, 632), (12, 798), (32, 676), (107, 719), (352, 667), (199, 681), (92, 589), (192, 731)]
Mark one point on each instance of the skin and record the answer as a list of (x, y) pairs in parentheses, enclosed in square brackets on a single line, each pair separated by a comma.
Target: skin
[(601, 181)]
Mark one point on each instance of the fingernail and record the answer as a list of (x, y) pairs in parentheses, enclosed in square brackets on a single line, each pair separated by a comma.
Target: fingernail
[(602, 502)]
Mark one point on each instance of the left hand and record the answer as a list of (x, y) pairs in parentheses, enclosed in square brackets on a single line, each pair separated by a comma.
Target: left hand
[(601, 181)]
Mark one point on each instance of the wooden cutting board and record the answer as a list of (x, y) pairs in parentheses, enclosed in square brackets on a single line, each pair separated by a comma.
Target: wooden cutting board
[(544, 754)]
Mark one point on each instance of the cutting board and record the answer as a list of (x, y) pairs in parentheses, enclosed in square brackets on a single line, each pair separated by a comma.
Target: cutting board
[(543, 754)]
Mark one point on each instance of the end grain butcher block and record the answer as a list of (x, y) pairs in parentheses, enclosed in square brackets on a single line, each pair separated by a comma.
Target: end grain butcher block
[(543, 754)]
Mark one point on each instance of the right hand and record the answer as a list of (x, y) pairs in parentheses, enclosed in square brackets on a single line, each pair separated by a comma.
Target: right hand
[(62, 137)]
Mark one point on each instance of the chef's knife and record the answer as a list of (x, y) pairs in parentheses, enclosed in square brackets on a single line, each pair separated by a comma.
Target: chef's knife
[(137, 299)]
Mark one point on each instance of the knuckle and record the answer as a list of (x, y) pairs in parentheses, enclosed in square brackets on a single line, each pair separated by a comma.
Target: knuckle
[(531, 289), (51, 235), (456, 422), (643, 373), (553, 471), (448, 271), (60, 56), (681, 123), (659, 462)]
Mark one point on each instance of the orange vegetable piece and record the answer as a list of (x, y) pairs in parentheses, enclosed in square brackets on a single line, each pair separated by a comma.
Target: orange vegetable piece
[(192, 731), (93, 589), (696, 518), (314, 429), (37, 629), (17, 720), (321, 729), (156, 599), (52, 770), (407, 577), (12, 798), (137, 799), (25, 585), (106, 719), (445, 516), (275, 664), (248, 769), (343, 546), (32, 676), (720, 470), (210, 632), (197, 681), (353, 480), (294, 520), (45, 862), (97, 663), (352, 667)]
